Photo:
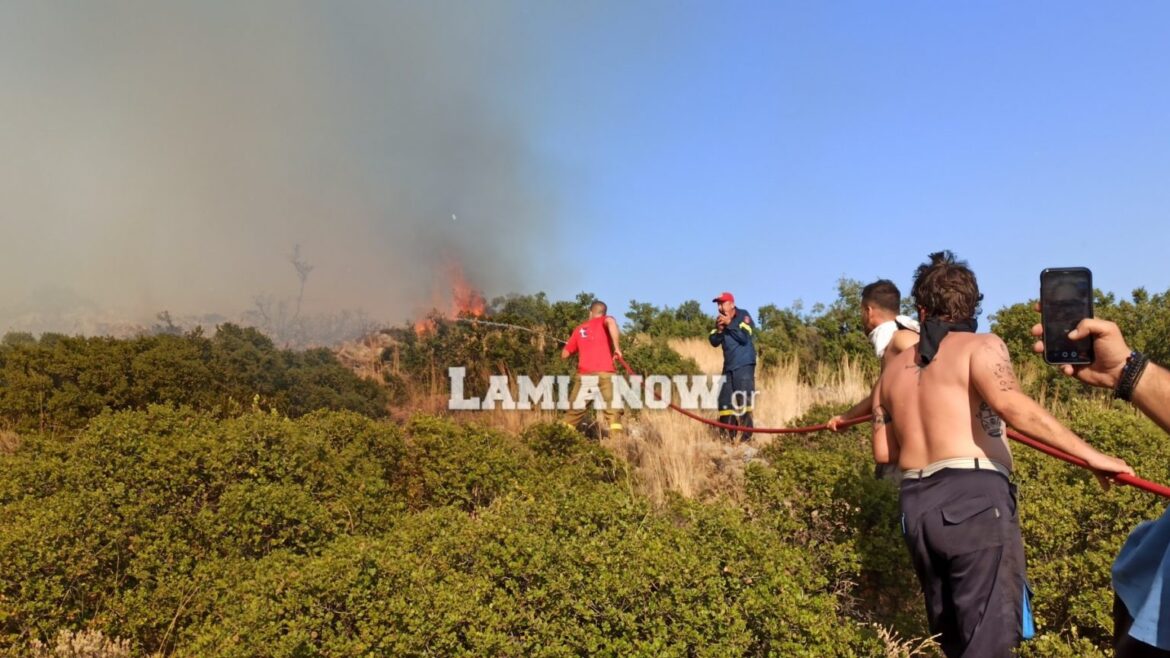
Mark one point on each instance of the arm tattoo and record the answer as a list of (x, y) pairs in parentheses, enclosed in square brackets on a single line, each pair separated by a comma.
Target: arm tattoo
[(1001, 368), (882, 417), (991, 422)]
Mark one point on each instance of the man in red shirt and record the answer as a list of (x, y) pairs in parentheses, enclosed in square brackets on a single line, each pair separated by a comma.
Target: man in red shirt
[(595, 341)]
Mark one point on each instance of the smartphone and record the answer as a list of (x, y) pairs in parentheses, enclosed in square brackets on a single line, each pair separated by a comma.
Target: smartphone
[(1066, 298)]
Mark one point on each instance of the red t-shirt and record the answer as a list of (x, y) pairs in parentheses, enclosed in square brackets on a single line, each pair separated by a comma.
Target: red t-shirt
[(592, 341)]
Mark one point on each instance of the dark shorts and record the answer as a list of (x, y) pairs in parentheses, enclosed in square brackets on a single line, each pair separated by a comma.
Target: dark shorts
[(964, 538)]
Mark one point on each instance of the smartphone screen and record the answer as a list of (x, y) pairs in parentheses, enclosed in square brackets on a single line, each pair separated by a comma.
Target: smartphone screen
[(1066, 298)]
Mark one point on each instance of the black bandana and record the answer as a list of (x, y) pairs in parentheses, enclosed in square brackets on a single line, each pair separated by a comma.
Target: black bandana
[(934, 330)]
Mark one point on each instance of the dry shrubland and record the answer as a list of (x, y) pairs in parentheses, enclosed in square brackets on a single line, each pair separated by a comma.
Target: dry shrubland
[(668, 451)]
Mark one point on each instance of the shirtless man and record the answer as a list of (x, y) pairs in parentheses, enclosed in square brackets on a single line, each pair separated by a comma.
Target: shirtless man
[(937, 413)]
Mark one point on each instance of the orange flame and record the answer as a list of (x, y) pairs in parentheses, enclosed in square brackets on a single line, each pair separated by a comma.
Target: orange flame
[(461, 301), (424, 326), (465, 300)]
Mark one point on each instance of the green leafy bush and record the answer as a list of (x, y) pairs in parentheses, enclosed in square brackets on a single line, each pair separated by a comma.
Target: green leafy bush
[(122, 526), (338, 535), (820, 491), (335, 534), (588, 572), (1073, 530), (688, 320), (58, 383)]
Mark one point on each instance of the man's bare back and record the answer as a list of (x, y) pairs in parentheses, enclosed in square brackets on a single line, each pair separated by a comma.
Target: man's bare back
[(941, 423), (936, 412)]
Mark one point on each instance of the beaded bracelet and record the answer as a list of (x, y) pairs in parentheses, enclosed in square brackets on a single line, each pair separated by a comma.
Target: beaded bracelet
[(1135, 366)]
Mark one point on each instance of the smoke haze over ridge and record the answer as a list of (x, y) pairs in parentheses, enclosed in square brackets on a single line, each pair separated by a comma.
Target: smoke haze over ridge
[(169, 156)]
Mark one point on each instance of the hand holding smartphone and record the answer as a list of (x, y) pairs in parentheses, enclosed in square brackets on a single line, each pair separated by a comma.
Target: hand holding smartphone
[(1066, 298)]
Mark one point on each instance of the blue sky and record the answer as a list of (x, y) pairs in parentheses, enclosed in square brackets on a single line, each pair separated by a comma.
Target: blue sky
[(171, 155), (772, 148)]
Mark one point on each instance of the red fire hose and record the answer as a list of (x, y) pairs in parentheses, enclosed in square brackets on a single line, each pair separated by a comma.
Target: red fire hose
[(1123, 478), (740, 428)]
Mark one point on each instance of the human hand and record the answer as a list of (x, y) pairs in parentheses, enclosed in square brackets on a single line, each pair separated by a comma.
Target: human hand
[(1105, 466), (721, 321), (834, 422), (1109, 349)]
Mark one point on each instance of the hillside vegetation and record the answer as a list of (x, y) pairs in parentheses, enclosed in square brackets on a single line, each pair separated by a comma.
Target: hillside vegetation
[(339, 535), (56, 383), (335, 534), (191, 496)]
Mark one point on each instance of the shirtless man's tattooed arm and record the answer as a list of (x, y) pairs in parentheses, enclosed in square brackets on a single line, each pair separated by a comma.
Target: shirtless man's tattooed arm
[(995, 382)]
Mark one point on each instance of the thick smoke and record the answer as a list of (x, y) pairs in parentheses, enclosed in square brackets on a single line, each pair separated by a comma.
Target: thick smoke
[(170, 155)]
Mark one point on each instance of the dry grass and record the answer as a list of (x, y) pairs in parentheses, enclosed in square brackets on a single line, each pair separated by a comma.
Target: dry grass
[(364, 355), (710, 359), (9, 442), (669, 452), (781, 395), (672, 453), (1032, 376), (895, 646), (82, 644), (515, 421)]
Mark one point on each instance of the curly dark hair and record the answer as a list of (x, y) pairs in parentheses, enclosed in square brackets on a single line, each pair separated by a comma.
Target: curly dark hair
[(946, 288)]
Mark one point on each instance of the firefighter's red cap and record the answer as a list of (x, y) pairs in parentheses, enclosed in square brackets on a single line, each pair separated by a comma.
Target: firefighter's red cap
[(725, 297)]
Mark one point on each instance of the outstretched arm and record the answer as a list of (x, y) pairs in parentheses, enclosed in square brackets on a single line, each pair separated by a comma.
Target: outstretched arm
[(863, 407), (995, 382)]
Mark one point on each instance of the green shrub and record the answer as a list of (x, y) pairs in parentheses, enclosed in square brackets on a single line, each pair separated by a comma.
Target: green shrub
[(648, 357), (338, 535), (820, 490), (335, 534), (590, 573), (1073, 530), (559, 449), (58, 383), (458, 465), (121, 524)]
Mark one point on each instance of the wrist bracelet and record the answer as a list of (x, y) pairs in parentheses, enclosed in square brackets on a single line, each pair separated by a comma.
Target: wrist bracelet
[(1135, 366)]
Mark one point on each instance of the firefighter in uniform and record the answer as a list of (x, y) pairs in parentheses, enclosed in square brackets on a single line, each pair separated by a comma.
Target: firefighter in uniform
[(734, 331)]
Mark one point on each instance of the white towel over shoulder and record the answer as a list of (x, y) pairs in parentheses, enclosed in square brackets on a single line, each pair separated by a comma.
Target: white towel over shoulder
[(884, 332)]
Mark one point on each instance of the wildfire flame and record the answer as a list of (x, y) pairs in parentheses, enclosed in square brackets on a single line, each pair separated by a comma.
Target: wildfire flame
[(461, 300), (424, 326)]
